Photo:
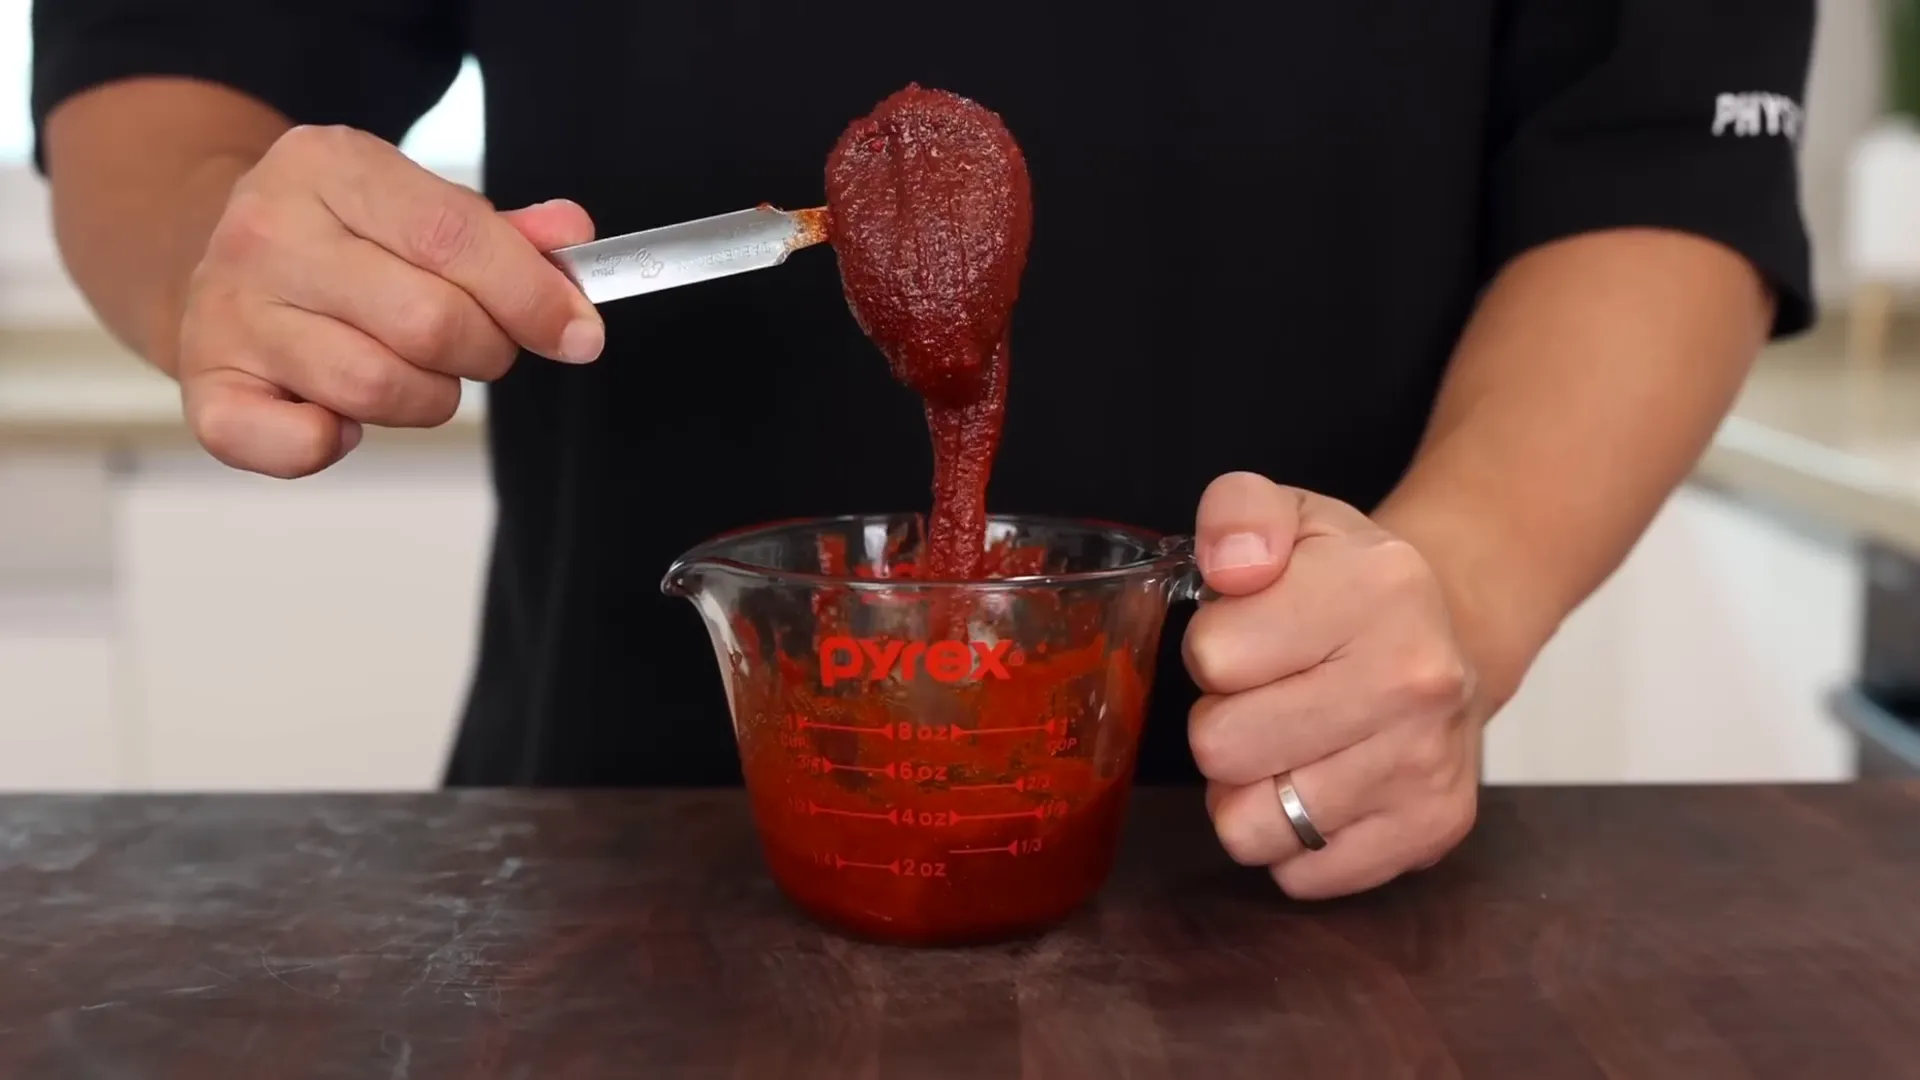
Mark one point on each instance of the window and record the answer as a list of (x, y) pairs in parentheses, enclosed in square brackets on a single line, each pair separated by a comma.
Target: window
[(33, 287)]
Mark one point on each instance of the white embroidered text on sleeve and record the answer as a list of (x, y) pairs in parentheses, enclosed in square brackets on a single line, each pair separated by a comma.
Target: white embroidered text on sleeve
[(1757, 113)]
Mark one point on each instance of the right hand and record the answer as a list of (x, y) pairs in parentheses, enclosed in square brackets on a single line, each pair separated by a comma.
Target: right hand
[(346, 285)]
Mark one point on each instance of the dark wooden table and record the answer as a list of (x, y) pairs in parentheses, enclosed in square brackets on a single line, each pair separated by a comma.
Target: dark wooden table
[(1696, 933)]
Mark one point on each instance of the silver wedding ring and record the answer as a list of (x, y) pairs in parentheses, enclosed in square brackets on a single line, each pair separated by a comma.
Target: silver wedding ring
[(1296, 812)]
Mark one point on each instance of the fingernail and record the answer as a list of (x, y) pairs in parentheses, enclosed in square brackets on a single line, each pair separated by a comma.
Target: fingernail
[(350, 435), (581, 341), (1238, 550)]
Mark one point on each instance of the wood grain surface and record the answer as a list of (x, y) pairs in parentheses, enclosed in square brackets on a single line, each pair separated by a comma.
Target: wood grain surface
[(1749, 932)]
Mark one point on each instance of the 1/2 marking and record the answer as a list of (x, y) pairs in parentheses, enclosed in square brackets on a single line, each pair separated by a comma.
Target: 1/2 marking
[(890, 815)]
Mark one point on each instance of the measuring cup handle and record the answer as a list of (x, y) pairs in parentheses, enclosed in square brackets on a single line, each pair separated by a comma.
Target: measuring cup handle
[(1185, 582)]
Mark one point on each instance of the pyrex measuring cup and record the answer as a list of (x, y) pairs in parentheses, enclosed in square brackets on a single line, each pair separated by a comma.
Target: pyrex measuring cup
[(936, 762)]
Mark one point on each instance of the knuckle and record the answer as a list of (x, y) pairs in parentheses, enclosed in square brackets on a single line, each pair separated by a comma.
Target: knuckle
[(304, 140), (444, 233), (216, 427), (1239, 835), (366, 390), (495, 357), (440, 406), (1430, 753), (1453, 824), (425, 324), (1208, 654), (1208, 738), (249, 227), (1435, 679), (1399, 569), (1296, 880)]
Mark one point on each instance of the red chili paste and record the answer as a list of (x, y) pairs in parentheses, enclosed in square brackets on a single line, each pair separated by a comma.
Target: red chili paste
[(932, 214)]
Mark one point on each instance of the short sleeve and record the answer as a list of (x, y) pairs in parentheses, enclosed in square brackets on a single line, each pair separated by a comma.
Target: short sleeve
[(1679, 114), (377, 65)]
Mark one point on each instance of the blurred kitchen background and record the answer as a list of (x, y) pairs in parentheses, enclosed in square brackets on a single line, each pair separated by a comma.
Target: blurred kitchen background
[(168, 624)]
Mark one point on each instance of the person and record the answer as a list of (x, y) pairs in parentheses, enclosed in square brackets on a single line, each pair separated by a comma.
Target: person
[(1416, 312)]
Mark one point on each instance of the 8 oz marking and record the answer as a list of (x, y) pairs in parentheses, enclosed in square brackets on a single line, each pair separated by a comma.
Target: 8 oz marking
[(906, 731)]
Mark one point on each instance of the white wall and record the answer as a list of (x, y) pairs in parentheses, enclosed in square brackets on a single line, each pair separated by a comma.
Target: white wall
[(1844, 97)]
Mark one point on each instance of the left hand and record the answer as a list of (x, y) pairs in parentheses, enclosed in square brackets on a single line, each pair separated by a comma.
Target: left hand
[(1330, 659)]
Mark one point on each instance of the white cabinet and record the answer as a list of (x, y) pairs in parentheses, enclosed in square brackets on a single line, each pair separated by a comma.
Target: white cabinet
[(1704, 659), (298, 635), (60, 728)]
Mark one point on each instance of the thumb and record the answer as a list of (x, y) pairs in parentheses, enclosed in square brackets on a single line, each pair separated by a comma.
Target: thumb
[(1245, 530), (556, 223)]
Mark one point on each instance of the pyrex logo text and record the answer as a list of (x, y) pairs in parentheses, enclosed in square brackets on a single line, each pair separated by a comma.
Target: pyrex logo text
[(843, 658)]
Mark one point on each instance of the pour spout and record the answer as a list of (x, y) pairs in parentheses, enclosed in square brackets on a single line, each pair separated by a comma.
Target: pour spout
[(684, 579)]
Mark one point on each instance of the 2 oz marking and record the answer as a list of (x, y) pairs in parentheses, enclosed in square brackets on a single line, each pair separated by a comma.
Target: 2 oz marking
[(898, 867)]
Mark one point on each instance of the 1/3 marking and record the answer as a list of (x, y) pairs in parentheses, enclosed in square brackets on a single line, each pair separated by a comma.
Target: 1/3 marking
[(1030, 846)]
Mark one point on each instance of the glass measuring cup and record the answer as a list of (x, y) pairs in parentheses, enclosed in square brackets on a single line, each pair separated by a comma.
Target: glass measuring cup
[(935, 762)]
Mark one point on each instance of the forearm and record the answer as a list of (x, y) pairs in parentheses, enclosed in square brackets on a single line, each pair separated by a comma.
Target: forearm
[(140, 172), (1585, 388)]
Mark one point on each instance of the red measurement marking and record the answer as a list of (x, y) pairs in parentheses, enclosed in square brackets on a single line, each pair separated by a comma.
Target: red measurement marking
[(1023, 783), (1036, 812), (1003, 849), (858, 729), (1018, 847), (898, 867), (841, 864), (890, 815), (1056, 726), (822, 765)]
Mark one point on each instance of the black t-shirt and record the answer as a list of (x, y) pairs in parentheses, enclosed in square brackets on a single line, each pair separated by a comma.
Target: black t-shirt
[(1259, 230)]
